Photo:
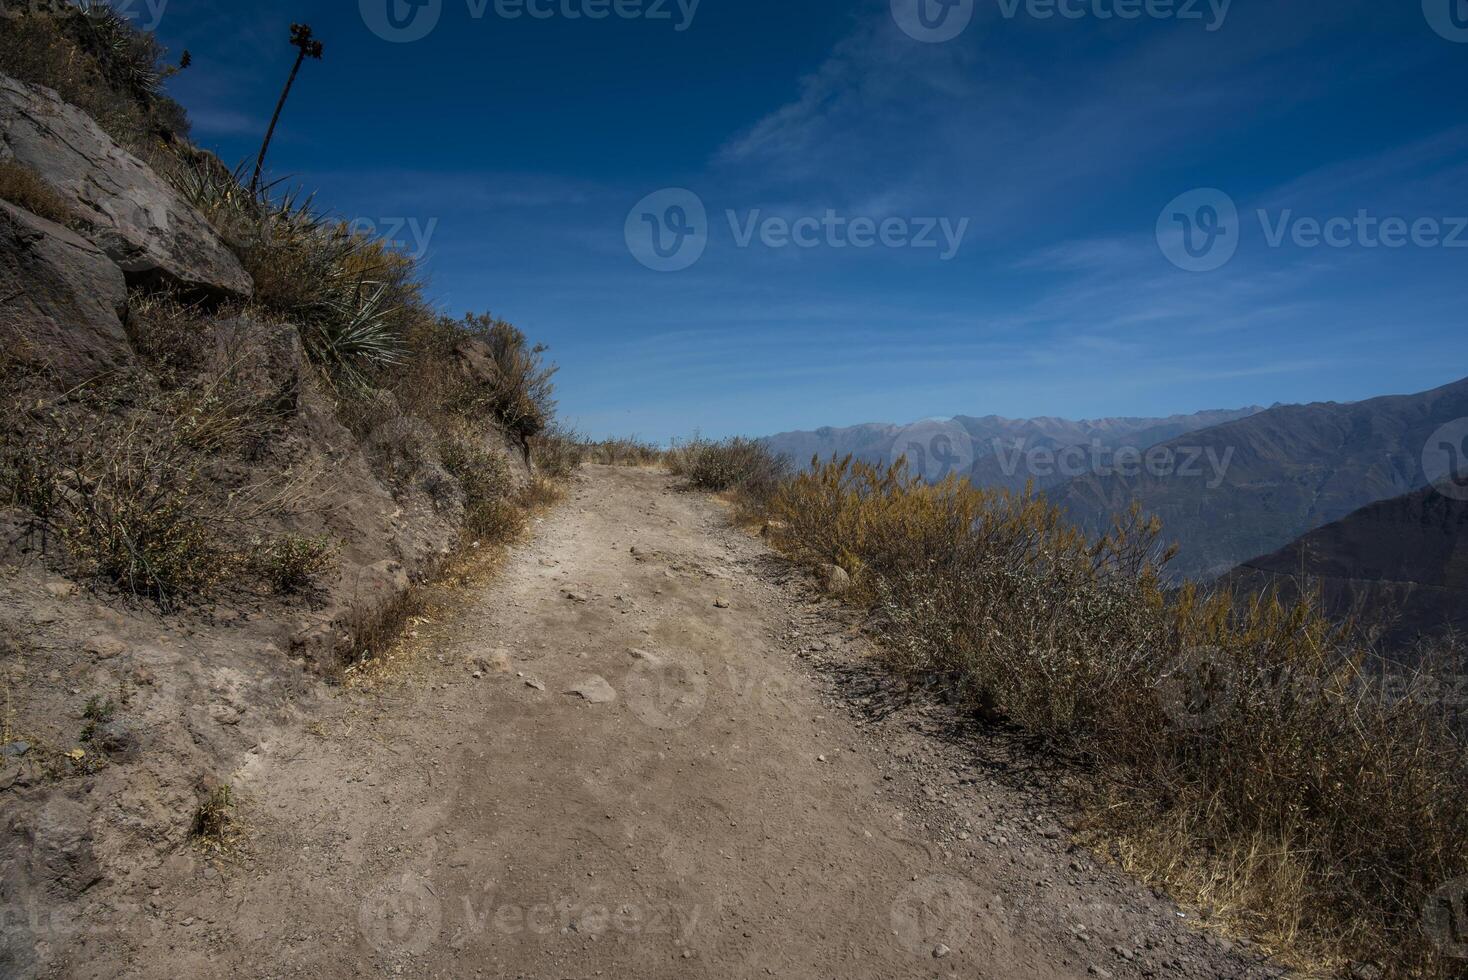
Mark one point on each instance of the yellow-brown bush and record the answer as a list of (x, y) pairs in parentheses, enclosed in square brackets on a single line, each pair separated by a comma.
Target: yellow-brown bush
[(1250, 750)]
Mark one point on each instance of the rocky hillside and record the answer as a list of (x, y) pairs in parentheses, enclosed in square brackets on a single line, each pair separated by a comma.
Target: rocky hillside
[(235, 440), (1281, 473)]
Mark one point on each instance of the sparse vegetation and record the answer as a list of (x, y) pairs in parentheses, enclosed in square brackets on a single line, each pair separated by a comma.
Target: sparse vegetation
[(520, 393), (97, 61), (98, 711), (1247, 754), (130, 480), (22, 186), (290, 562), (557, 453), (624, 452), (214, 822), (742, 466), (132, 497)]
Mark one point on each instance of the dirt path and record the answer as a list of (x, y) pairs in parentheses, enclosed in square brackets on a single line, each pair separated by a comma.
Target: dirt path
[(723, 802)]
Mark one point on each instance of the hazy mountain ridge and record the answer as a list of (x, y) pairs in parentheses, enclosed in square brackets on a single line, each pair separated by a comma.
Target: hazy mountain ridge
[(992, 439), (1405, 559), (1289, 470)]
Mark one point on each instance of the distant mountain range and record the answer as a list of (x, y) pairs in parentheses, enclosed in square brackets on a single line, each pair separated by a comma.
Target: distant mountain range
[(992, 450), (1404, 559), (1229, 485), (1283, 473)]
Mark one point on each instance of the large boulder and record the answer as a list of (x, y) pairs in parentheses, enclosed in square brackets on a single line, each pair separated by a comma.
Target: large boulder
[(61, 299), (153, 234)]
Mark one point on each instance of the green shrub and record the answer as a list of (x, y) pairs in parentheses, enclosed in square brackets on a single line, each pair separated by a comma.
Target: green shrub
[(98, 711)]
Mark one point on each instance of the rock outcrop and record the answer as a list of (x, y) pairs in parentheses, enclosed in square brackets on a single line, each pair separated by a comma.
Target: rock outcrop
[(153, 235), (61, 299)]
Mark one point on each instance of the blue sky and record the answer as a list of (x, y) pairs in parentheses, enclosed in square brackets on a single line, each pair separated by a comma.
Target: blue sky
[(515, 149)]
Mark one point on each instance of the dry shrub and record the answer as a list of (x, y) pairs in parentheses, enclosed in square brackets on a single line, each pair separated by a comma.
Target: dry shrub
[(745, 467), (167, 333), (492, 512), (624, 452), (291, 563), (22, 186), (131, 490), (1257, 753), (213, 824), (521, 397), (557, 453), (540, 493), (129, 500)]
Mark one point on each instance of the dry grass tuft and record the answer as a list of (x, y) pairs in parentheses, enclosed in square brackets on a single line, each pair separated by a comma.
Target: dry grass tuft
[(624, 452), (214, 825), (22, 186), (291, 563)]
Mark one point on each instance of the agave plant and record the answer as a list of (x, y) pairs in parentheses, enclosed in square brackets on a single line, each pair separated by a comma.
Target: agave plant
[(309, 269), (306, 45), (129, 55), (360, 332)]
